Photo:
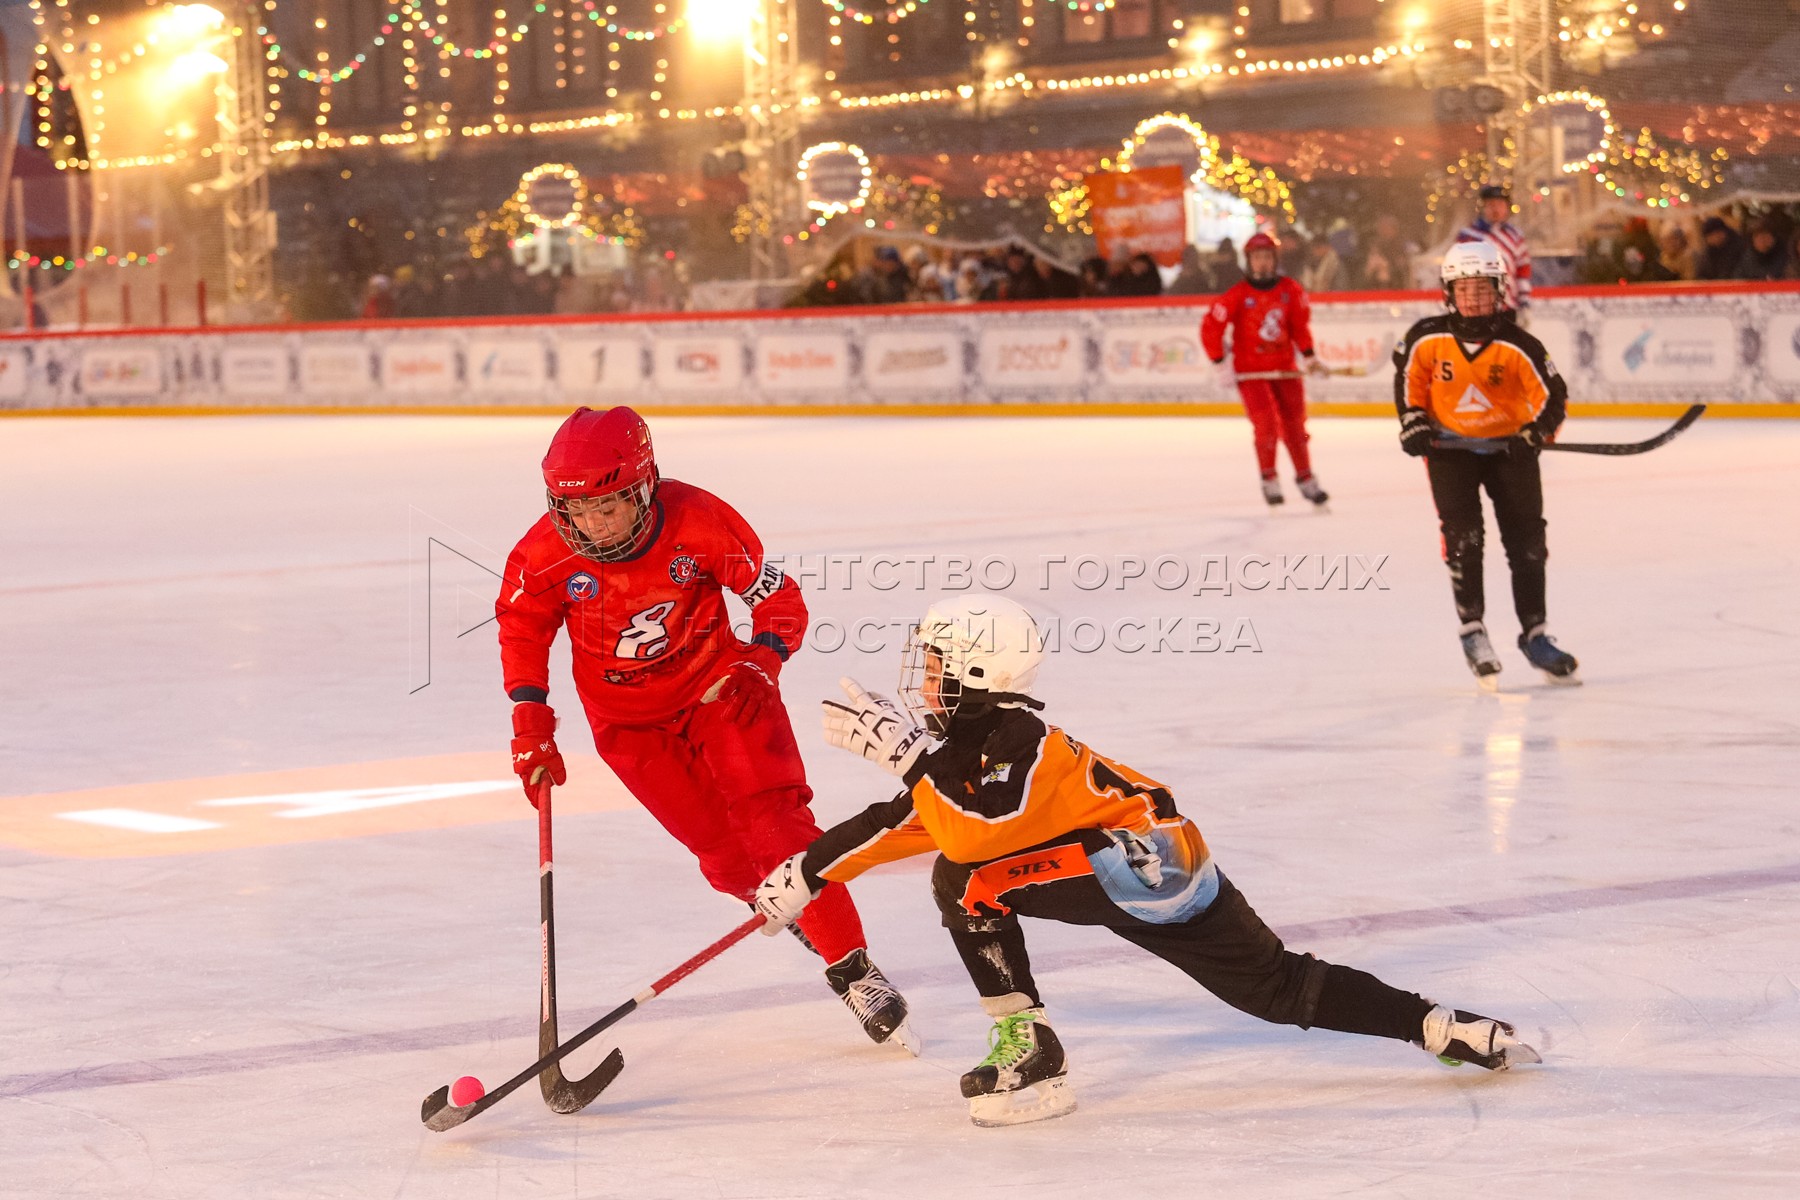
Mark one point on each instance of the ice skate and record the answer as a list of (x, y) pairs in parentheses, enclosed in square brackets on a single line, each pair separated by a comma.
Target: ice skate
[(876, 1003), (1558, 665), (1025, 1076), (1480, 653), (1459, 1037), (1272, 492), (1309, 488)]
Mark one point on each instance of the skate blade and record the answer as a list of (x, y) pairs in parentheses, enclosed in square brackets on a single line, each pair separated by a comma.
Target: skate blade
[(1040, 1102), (907, 1038), (1514, 1053), (1572, 679), (1489, 683)]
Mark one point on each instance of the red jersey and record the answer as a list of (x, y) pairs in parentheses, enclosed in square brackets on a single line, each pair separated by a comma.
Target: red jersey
[(1267, 325), (649, 634)]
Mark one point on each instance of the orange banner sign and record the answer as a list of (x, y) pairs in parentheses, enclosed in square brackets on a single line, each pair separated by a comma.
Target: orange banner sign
[(1139, 211)]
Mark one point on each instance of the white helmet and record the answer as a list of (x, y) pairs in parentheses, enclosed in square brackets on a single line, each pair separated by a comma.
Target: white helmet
[(976, 648), (1473, 260)]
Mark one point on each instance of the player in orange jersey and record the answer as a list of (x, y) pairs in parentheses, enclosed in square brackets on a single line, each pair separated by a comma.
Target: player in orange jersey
[(1031, 822), (1473, 373), (635, 567)]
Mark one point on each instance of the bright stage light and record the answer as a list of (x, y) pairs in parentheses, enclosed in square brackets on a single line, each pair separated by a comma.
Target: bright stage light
[(191, 20), (716, 21), (196, 65)]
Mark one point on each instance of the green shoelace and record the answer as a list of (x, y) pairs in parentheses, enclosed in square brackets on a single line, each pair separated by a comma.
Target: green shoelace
[(1007, 1041)]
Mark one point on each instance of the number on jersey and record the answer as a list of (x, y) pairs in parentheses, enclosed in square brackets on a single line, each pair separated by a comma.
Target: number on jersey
[(645, 635)]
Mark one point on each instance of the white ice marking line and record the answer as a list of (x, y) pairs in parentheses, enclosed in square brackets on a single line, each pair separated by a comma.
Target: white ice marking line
[(138, 821), (328, 804)]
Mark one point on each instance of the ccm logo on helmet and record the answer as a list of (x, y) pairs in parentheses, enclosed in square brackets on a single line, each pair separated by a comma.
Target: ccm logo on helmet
[(570, 482)]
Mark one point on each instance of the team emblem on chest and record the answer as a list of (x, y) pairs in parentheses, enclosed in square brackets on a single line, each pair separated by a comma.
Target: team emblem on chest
[(683, 569), (582, 586)]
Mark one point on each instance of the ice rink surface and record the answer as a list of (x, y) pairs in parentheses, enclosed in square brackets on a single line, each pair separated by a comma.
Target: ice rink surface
[(244, 999)]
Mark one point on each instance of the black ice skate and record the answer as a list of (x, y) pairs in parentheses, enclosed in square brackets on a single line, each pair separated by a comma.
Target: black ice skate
[(1459, 1037), (868, 994), (1025, 1076), (1480, 653), (1309, 487), (1272, 492), (1558, 665)]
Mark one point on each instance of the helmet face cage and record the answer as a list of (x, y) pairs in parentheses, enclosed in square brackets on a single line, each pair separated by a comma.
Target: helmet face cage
[(927, 689), (640, 494)]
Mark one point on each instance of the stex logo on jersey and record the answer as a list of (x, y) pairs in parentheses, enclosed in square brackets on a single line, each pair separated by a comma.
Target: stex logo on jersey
[(1474, 401), (683, 569), (582, 586)]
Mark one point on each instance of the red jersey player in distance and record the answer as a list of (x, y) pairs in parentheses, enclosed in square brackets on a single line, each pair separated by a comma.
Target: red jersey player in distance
[(688, 717), (1269, 318)]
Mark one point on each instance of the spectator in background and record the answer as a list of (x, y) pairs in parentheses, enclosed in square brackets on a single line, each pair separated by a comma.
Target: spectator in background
[(884, 280), (1493, 224), (1765, 258), (459, 290), (1676, 253), (1058, 284), (1377, 273), (1324, 270), (928, 278), (416, 293), (1224, 264), (1724, 249), (1395, 252), (378, 302), (1140, 278), (1020, 281), (969, 284), (1094, 281), (1640, 260), (1194, 279)]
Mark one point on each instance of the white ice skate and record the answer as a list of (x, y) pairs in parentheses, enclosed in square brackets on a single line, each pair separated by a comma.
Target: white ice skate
[(1480, 653), (1309, 488), (1025, 1076), (1271, 489), (1459, 1037)]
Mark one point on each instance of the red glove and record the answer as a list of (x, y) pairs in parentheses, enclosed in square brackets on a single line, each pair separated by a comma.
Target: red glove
[(747, 685), (534, 752)]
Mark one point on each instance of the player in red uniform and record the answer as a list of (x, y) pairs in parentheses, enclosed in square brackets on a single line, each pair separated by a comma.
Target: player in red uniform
[(1269, 319), (687, 716)]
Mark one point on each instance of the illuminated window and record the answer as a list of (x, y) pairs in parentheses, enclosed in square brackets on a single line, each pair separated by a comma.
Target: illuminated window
[(1299, 12)]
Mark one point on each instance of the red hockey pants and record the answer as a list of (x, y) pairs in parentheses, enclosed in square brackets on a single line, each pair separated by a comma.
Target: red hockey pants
[(1277, 411), (735, 795)]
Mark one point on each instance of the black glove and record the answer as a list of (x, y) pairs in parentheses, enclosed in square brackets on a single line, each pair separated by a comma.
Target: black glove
[(1416, 432), (1536, 435)]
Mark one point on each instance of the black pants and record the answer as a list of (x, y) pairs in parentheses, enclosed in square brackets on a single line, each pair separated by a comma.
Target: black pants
[(1227, 950), (1517, 491)]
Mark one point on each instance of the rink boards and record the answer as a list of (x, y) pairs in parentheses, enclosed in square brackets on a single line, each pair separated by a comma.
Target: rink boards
[(1626, 350)]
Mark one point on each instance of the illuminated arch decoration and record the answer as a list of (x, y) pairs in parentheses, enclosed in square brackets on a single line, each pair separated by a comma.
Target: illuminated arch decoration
[(1635, 168), (556, 218), (1592, 104), (829, 207), (1236, 174)]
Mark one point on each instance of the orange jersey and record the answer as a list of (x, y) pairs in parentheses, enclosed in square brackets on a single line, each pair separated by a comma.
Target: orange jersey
[(1500, 387), (1009, 784), (650, 633)]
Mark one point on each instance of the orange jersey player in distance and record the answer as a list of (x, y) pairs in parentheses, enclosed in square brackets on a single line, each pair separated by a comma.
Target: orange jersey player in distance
[(1029, 821), (1269, 319), (1475, 374), (635, 567)]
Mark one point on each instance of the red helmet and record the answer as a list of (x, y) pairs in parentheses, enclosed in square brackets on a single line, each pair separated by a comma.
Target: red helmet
[(1262, 241), (595, 455)]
